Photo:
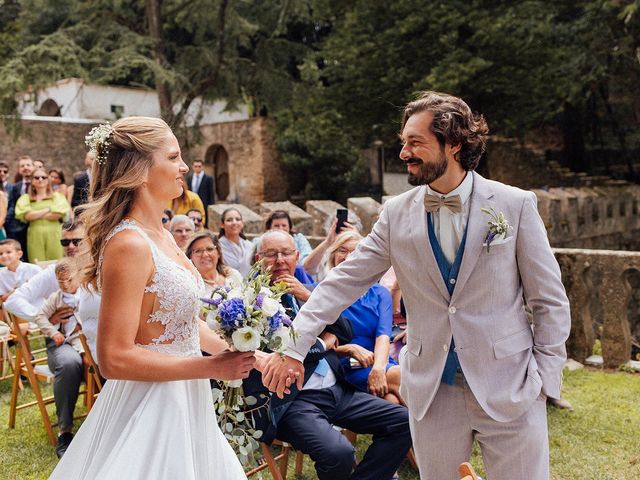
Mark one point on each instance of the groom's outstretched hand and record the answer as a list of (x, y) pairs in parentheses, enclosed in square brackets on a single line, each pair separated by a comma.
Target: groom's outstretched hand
[(280, 372)]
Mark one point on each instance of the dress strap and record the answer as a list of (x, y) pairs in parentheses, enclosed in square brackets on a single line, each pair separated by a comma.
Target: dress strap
[(126, 224)]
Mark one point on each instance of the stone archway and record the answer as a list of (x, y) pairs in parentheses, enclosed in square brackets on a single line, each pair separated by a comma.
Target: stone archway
[(217, 159)]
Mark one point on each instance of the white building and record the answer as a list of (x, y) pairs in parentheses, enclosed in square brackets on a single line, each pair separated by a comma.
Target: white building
[(73, 99)]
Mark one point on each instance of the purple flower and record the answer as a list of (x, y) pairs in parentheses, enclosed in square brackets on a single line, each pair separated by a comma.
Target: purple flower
[(212, 301), (277, 320), (259, 299), (231, 313)]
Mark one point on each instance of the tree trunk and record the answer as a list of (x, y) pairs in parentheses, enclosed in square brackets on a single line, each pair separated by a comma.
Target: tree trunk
[(572, 131), (154, 19)]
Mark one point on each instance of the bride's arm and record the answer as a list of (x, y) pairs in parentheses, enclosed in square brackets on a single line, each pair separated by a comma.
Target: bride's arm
[(123, 284)]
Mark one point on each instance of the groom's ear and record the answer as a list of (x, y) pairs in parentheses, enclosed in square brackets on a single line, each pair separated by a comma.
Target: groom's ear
[(451, 151)]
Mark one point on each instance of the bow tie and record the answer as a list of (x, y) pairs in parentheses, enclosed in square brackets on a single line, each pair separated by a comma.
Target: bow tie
[(433, 203)]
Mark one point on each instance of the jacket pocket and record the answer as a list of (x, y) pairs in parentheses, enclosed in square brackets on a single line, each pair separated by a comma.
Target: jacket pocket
[(514, 343), (414, 345)]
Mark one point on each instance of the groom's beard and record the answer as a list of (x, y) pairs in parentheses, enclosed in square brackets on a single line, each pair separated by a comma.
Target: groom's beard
[(429, 172)]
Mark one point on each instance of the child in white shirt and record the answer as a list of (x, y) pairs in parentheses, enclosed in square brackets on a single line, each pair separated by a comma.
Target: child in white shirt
[(17, 272), (66, 331)]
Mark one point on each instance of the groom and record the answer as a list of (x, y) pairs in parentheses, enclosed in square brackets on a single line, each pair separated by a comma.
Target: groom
[(473, 367)]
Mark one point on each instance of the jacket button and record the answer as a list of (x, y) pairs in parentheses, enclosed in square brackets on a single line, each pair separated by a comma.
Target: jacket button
[(445, 347), (452, 309)]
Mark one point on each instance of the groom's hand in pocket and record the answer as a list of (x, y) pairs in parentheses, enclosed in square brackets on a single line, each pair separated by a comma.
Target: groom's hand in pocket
[(228, 365)]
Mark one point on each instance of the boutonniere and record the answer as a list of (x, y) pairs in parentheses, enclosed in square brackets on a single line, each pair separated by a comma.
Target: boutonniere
[(498, 226)]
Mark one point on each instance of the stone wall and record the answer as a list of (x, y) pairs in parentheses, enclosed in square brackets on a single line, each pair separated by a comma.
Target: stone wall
[(56, 142), (254, 171), (599, 287)]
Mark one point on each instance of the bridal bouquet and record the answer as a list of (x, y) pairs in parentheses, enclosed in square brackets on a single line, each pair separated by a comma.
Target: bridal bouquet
[(249, 317)]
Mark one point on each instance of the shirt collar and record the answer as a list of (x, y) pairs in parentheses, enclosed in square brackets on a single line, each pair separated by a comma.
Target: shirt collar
[(464, 189)]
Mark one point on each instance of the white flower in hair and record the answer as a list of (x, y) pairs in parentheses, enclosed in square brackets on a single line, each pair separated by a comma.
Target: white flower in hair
[(98, 141)]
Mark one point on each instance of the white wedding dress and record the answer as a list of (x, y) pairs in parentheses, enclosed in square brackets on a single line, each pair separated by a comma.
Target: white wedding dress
[(156, 430)]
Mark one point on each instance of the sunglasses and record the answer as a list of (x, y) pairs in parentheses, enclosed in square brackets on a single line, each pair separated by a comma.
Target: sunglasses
[(196, 220), (2, 170), (39, 177), (66, 241)]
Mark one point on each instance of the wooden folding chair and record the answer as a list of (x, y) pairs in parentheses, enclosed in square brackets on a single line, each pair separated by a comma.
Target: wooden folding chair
[(92, 374), (277, 465), (35, 371)]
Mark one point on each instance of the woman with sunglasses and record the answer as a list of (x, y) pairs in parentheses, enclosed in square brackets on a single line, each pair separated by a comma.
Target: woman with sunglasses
[(205, 253), (42, 209), (185, 202)]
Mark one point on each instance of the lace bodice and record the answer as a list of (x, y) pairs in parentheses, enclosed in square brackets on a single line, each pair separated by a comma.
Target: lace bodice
[(178, 292)]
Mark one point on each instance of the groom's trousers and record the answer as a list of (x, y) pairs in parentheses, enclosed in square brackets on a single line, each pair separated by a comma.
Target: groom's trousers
[(308, 426), (515, 450)]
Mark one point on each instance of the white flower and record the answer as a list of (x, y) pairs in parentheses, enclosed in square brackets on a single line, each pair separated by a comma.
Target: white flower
[(235, 293), (270, 306), (266, 292), (212, 323), (246, 339), (279, 339), (249, 296)]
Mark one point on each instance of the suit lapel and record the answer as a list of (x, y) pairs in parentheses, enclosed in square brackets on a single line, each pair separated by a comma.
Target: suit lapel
[(420, 236), (481, 197)]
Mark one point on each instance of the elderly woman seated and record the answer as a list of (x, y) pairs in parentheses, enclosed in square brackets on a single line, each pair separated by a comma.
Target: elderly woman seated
[(366, 359), (205, 253)]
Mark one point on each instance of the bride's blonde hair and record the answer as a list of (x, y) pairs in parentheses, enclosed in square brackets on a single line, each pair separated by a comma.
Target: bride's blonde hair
[(127, 156)]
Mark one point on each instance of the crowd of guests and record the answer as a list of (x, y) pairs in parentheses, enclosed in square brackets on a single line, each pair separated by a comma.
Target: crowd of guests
[(39, 225)]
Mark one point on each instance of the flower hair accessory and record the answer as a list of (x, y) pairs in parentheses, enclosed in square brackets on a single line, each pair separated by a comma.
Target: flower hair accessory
[(99, 140), (498, 226)]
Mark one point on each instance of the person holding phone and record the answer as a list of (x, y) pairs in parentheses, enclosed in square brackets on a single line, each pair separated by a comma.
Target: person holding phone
[(365, 359), (316, 262)]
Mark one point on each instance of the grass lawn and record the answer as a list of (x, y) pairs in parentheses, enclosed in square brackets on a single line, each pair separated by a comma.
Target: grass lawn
[(599, 440)]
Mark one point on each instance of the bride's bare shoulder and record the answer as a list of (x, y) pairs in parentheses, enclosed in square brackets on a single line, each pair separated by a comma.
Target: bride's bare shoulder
[(127, 248)]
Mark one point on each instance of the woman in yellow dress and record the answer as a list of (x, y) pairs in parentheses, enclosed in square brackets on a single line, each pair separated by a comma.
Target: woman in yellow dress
[(42, 209), (185, 202)]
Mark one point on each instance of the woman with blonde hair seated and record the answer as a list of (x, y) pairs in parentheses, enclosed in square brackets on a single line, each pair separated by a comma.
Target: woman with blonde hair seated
[(366, 360)]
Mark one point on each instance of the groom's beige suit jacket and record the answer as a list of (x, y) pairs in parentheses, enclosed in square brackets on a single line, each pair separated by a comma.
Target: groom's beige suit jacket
[(506, 361)]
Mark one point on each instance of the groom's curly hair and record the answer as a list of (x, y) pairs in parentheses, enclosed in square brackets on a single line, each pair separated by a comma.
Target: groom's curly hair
[(453, 123)]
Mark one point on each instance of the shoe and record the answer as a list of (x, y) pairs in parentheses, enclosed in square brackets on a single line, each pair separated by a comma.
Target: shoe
[(560, 403), (64, 440)]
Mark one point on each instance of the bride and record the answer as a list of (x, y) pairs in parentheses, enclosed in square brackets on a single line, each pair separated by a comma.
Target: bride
[(154, 417)]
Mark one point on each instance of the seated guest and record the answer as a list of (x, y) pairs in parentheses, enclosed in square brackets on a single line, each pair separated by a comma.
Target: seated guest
[(197, 217), (204, 252), (236, 249), (366, 358), (167, 215), (316, 263), (182, 229), (305, 418), (17, 272), (67, 330), (185, 202), (280, 220), (42, 209), (26, 301)]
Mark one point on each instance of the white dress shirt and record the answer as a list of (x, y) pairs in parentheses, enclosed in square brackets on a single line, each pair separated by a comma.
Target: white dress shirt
[(9, 280), (195, 181), (449, 227), (26, 301)]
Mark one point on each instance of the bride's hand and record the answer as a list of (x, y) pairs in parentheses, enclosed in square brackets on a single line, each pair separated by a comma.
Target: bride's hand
[(228, 365)]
